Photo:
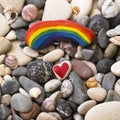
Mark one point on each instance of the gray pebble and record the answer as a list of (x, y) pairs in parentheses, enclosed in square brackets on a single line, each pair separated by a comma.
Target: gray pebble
[(21, 103), (98, 22), (28, 84), (99, 77), (87, 54), (19, 71), (79, 94), (19, 23), (112, 96), (108, 81), (10, 87), (16, 117), (20, 33), (104, 65), (102, 38), (23, 44), (4, 112)]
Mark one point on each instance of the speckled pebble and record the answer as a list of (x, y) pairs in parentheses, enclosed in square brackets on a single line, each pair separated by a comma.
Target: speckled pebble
[(6, 99)]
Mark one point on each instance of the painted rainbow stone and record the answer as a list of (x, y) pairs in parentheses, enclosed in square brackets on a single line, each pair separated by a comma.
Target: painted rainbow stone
[(43, 33)]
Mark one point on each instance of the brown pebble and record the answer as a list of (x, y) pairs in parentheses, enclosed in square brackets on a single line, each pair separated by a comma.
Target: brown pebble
[(30, 12), (91, 82)]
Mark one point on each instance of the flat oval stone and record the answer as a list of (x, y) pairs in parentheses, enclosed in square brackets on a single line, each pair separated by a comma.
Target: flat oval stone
[(115, 68), (52, 85), (97, 93), (103, 111), (117, 87), (19, 100), (53, 55)]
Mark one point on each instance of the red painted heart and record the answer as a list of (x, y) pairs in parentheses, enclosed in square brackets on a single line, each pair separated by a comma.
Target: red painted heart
[(61, 70)]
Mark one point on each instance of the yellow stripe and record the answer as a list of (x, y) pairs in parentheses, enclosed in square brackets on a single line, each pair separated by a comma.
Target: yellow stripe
[(57, 28)]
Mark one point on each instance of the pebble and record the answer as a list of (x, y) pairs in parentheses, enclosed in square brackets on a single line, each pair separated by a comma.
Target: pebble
[(66, 88), (110, 51), (1, 9), (99, 77), (5, 112), (103, 40), (38, 3), (8, 77), (79, 52), (64, 13), (87, 54), (16, 117), (112, 96), (117, 2), (18, 53), (11, 35), (29, 12), (39, 71), (98, 94), (52, 85), (32, 114), (81, 68), (30, 52), (109, 80), (19, 71), (79, 94), (4, 26), (54, 55), (9, 87), (81, 11), (14, 3), (104, 65), (115, 40), (115, 68), (109, 9), (64, 109), (56, 115), (6, 99), (2, 58), (85, 106), (20, 34), (101, 111), (117, 86), (77, 116), (5, 45), (1, 80), (19, 100), (45, 116), (98, 22), (35, 92), (91, 82), (19, 23), (4, 70)]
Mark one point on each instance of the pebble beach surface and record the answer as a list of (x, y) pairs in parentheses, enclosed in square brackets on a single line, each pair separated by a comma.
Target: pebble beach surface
[(63, 81)]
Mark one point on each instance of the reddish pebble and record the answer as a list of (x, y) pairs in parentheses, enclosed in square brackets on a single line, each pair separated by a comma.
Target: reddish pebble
[(30, 12)]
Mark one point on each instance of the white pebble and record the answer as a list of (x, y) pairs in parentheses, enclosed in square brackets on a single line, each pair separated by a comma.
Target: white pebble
[(35, 92), (11, 35)]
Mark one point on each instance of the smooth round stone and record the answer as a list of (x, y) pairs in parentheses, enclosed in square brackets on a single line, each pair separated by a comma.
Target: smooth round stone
[(112, 96), (115, 68), (35, 92), (56, 115), (4, 112), (98, 94), (51, 85), (10, 87), (6, 99), (24, 92), (32, 114), (11, 35), (117, 87), (61, 10), (19, 71), (104, 65), (4, 70), (102, 38), (103, 111), (82, 10), (77, 116), (21, 103), (19, 23), (81, 68), (38, 3), (45, 116), (14, 3), (85, 106), (98, 22), (2, 58), (18, 53), (29, 12), (5, 45), (99, 77), (109, 9), (20, 33), (110, 51), (30, 52), (7, 77), (87, 54), (53, 55), (4, 27)]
